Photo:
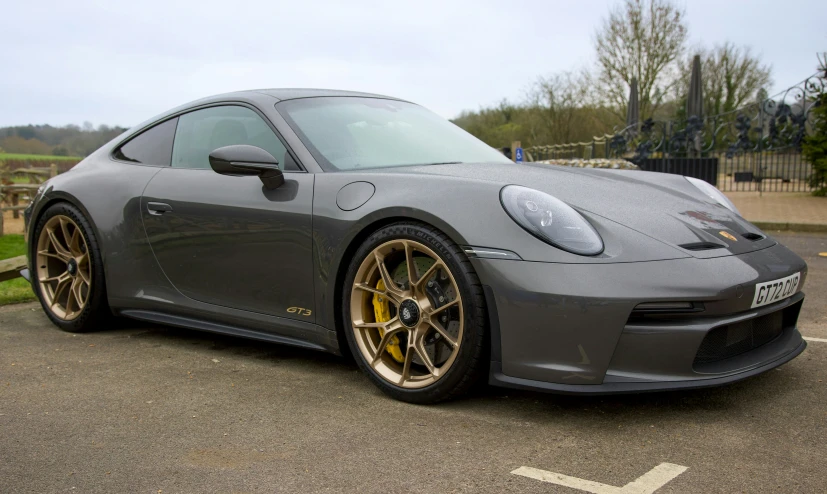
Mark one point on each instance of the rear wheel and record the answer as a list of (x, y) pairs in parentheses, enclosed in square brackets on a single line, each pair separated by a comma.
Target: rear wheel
[(68, 271), (415, 314)]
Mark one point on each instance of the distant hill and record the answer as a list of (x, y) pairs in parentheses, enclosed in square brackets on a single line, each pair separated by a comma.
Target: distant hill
[(71, 140)]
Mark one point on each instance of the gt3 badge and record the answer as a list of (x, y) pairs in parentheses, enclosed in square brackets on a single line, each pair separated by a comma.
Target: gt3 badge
[(299, 310), (728, 236)]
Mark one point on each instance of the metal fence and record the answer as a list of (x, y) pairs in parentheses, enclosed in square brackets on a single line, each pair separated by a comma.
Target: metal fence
[(754, 148)]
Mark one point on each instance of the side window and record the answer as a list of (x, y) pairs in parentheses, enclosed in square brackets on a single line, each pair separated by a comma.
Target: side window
[(150, 147), (203, 131)]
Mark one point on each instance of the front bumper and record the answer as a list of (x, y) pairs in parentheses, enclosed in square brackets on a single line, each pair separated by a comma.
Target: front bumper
[(497, 378), (569, 327)]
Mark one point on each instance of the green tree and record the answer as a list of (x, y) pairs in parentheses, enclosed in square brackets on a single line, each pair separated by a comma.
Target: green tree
[(814, 148), (16, 144), (497, 126)]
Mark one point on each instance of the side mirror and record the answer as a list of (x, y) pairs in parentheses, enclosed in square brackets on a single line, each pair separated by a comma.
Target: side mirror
[(243, 160)]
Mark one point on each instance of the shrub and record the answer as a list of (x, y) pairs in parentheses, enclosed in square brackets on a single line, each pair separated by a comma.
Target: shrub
[(814, 147)]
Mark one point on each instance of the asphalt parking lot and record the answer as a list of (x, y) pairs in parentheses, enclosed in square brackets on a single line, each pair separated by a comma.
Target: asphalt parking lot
[(157, 409)]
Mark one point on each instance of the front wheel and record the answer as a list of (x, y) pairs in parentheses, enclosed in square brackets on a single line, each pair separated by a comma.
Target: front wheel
[(415, 314)]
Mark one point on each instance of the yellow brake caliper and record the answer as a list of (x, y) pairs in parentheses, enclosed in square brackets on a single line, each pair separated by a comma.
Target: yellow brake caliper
[(383, 314)]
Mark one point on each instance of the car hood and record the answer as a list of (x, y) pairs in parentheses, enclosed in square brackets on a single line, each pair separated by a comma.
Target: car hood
[(661, 206)]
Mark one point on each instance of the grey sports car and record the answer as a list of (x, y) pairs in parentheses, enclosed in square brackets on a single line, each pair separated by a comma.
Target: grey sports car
[(368, 226)]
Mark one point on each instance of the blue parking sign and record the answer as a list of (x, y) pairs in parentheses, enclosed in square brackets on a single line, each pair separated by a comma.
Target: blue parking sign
[(518, 155)]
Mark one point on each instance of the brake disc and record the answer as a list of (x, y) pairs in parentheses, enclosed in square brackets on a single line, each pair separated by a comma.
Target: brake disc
[(440, 291)]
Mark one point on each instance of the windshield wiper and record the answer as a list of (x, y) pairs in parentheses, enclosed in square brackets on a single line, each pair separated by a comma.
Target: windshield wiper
[(441, 163)]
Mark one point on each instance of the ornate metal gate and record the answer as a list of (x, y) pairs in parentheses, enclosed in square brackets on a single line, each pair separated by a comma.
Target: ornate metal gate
[(754, 148)]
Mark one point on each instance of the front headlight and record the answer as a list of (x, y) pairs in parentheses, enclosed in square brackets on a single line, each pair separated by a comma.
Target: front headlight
[(551, 220), (713, 193)]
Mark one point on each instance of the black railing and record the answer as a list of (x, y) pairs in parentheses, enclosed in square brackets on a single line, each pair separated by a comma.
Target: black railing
[(754, 148)]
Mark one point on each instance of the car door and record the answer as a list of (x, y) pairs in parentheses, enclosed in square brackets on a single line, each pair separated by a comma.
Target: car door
[(227, 240)]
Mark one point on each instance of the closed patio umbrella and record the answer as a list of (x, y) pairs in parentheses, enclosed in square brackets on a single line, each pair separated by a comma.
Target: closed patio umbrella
[(633, 110), (695, 102)]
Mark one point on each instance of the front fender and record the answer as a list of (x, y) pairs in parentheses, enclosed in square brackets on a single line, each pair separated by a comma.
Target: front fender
[(337, 234)]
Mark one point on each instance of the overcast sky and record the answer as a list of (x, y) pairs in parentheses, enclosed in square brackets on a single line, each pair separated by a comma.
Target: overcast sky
[(121, 62)]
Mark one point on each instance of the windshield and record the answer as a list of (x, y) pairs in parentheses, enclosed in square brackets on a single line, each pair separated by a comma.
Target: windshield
[(346, 133)]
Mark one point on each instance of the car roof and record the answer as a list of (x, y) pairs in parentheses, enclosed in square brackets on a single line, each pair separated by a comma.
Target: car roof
[(258, 95), (296, 93)]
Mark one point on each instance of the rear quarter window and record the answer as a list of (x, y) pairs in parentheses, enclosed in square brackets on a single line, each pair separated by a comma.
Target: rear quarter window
[(151, 147)]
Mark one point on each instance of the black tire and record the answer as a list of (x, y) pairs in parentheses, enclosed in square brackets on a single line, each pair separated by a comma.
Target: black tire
[(96, 314), (471, 360)]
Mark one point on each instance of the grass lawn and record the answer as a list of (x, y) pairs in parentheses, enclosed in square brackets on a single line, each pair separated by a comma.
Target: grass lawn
[(18, 289), (37, 157)]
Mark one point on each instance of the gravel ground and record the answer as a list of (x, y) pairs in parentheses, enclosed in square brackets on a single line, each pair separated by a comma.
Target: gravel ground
[(156, 409)]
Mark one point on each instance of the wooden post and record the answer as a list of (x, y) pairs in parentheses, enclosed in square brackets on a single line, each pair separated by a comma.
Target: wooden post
[(15, 200), (52, 170), (514, 146)]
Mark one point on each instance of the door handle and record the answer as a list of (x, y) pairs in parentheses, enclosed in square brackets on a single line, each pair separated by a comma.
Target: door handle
[(158, 208)]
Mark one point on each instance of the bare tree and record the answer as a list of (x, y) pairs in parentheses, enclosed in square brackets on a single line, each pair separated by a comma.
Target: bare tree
[(562, 107), (732, 77), (556, 100), (640, 39)]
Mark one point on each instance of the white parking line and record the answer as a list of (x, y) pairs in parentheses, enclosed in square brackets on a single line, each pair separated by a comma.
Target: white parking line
[(647, 483), (820, 340)]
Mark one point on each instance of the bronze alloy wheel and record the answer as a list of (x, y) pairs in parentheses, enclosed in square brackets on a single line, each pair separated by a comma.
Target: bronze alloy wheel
[(406, 313), (63, 268)]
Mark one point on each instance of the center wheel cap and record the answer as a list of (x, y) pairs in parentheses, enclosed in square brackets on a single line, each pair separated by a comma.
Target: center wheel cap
[(409, 313), (72, 267)]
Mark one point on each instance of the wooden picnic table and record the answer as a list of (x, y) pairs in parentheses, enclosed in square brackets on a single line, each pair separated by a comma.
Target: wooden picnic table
[(11, 194), (10, 268), (36, 175)]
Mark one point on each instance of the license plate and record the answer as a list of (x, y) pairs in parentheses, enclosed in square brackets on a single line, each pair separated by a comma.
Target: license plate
[(773, 291)]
